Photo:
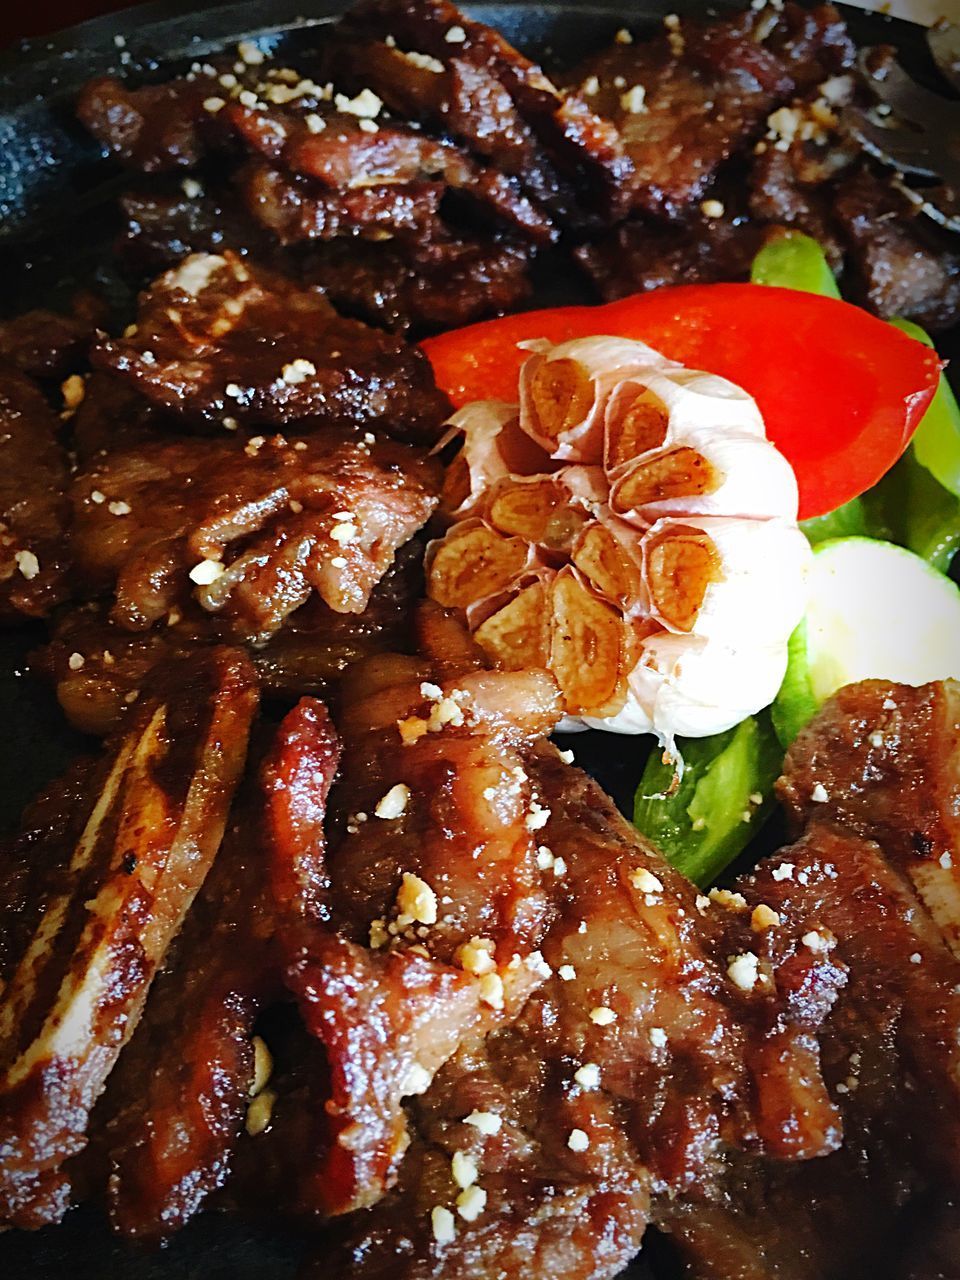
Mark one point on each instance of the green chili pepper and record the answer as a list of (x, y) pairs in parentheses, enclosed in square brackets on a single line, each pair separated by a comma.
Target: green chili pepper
[(936, 441), (794, 261)]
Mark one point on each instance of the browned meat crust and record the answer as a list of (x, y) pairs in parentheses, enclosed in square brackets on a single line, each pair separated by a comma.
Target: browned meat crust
[(47, 344), (33, 508), (219, 341), (111, 883), (269, 522), (165, 224)]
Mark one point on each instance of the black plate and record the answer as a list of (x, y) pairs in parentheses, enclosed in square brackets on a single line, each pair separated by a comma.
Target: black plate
[(56, 227)]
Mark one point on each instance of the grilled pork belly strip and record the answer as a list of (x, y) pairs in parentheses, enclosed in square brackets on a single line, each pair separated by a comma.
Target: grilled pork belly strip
[(113, 902)]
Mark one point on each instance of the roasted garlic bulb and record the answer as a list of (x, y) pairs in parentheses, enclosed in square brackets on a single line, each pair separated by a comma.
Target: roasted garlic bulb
[(628, 526)]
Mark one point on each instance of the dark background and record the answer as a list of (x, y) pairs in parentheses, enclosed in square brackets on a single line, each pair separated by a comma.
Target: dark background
[(38, 17)]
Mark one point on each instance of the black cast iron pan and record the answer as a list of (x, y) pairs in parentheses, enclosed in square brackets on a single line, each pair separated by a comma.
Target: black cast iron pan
[(56, 228)]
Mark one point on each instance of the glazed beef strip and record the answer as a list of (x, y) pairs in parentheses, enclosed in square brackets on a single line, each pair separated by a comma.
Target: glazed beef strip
[(221, 342), (33, 506), (101, 893), (49, 344)]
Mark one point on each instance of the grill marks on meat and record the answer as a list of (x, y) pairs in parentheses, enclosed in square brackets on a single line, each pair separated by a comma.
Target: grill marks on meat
[(277, 520), (118, 875), (217, 339), (33, 508)]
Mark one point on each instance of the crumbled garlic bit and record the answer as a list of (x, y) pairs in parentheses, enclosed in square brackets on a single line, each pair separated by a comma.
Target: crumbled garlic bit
[(487, 1122), (817, 942), (876, 739), (712, 208), (417, 1079), (27, 563), (254, 445), (731, 901), (298, 371), (645, 881), (443, 1223), (75, 661), (744, 970), (658, 1037), (701, 903), (590, 86), (578, 1140), (431, 691), (232, 390), (423, 61), (262, 1066), (784, 871), (338, 562), (464, 1169), (477, 956), (230, 424), (455, 35), (602, 1015), (588, 1076), (623, 36), (634, 100), (535, 963), (251, 53), (537, 818), (699, 823), (394, 802), (442, 713), (411, 730), (366, 104), (119, 508), (108, 658), (619, 82), (471, 1203), (916, 958), (566, 757), (756, 798), (889, 704), (820, 794), (491, 990), (379, 937), (763, 917), (369, 126), (206, 571), (73, 389), (213, 105), (259, 1112), (416, 901), (567, 973), (545, 858), (344, 533), (315, 123), (946, 861), (559, 867)]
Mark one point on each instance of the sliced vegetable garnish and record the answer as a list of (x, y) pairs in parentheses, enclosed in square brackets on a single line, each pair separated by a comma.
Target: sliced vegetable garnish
[(841, 392), (794, 261), (724, 796), (876, 611)]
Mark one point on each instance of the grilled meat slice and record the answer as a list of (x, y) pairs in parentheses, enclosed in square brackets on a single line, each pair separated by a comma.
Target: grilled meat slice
[(219, 341), (33, 508), (883, 760), (568, 1025), (111, 884), (683, 103), (258, 526), (48, 344), (166, 223), (450, 282), (486, 93)]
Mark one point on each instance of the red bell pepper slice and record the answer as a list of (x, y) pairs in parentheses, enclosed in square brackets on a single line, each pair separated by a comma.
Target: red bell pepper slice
[(840, 391)]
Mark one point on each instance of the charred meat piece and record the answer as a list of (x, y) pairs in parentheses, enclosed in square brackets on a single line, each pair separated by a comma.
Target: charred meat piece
[(449, 282), (220, 341), (884, 760), (899, 263), (155, 128), (184, 1087), (295, 210), (609, 1058), (638, 256), (251, 529), (112, 417), (474, 84), (48, 344), (168, 223), (812, 42), (33, 507), (343, 159), (98, 668), (683, 104), (109, 886)]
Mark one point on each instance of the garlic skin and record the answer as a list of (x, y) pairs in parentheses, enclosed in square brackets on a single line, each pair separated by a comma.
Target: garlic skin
[(665, 569), (494, 448)]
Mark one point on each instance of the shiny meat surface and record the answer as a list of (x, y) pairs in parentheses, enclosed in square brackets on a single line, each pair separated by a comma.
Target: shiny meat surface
[(497, 929), (219, 342), (249, 530), (104, 891), (33, 508), (164, 224), (48, 344)]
